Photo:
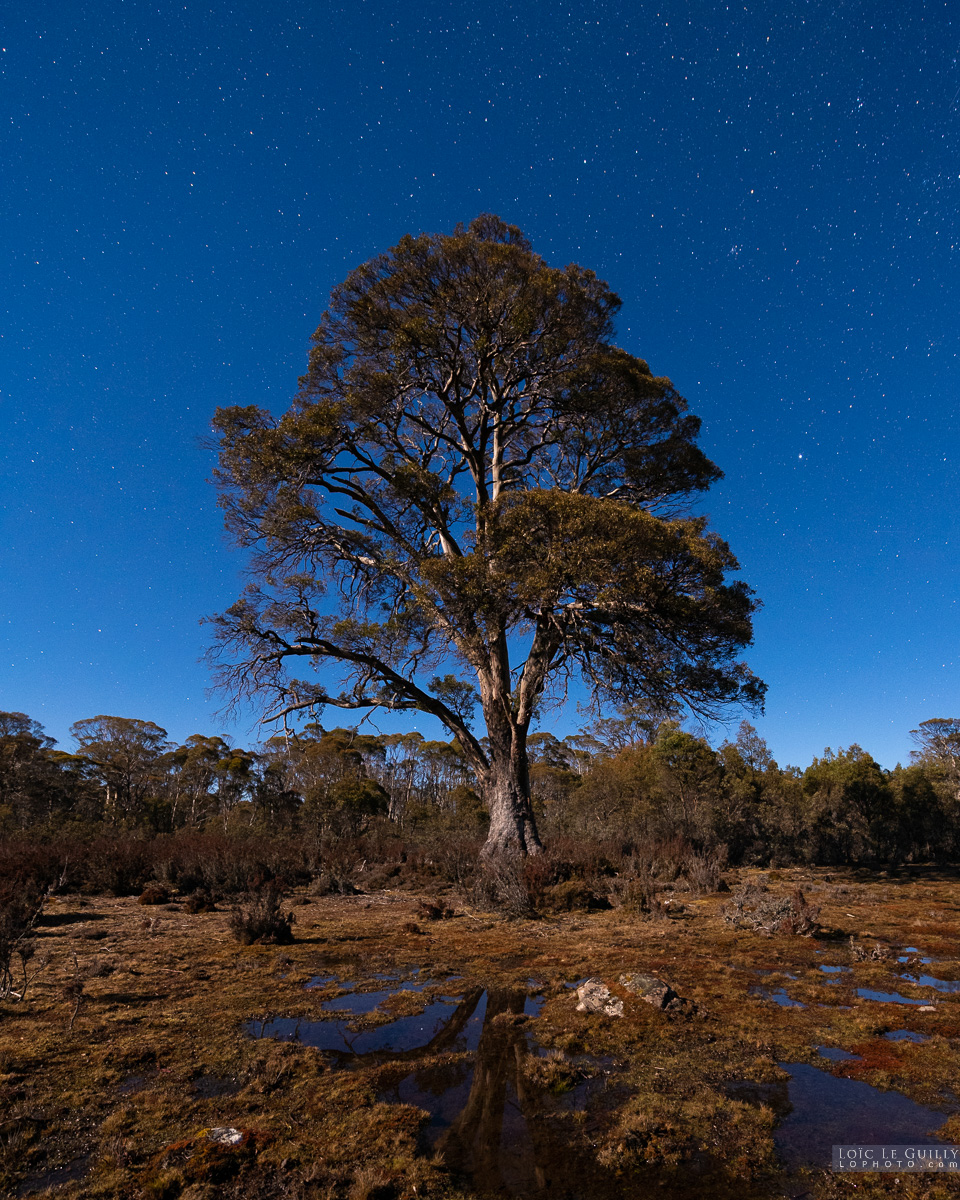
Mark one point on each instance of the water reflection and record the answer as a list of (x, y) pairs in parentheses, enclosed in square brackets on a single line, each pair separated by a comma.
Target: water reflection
[(942, 985), (887, 997), (359, 1003), (498, 1104), (824, 1109), (446, 1024), (836, 1054), (778, 996), (489, 1139), (477, 1072), (488, 1117)]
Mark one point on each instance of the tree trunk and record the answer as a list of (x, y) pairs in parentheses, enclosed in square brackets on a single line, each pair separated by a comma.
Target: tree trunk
[(506, 791)]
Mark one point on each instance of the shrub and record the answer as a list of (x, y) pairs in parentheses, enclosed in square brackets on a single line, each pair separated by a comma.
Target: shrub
[(500, 885), (433, 910), (21, 901), (328, 884), (572, 895), (261, 920), (704, 871), (637, 894), (154, 893), (119, 865), (754, 907), (222, 863), (199, 901)]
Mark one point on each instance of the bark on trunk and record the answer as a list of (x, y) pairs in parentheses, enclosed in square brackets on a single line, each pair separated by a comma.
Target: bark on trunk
[(506, 790)]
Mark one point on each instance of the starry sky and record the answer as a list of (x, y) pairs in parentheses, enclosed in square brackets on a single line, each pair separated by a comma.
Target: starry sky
[(772, 188)]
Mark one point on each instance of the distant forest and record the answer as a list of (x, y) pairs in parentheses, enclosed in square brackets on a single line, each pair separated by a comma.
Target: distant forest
[(346, 798)]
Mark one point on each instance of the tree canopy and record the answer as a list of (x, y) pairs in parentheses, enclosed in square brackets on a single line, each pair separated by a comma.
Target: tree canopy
[(473, 476)]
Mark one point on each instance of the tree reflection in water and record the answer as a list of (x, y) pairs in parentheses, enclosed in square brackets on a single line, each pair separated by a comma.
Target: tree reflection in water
[(494, 1138), (491, 1123)]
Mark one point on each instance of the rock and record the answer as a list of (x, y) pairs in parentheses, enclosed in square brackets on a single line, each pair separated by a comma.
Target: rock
[(927, 1008), (595, 996), (225, 1135), (649, 988)]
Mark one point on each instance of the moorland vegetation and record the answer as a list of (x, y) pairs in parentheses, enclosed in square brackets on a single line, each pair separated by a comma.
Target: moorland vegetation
[(624, 801)]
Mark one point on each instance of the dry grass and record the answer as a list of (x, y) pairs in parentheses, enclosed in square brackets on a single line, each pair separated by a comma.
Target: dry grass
[(166, 994)]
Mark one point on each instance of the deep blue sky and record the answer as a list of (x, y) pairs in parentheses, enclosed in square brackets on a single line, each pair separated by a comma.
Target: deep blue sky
[(773, 190)]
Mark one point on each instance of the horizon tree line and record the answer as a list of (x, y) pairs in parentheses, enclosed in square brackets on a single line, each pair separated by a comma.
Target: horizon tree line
[(626, 779)]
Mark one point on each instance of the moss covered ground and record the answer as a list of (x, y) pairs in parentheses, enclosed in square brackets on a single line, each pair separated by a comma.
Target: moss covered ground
[(135, 1041)]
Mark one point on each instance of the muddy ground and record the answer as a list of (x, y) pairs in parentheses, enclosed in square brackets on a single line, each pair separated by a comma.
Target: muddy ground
[(473, 1073)]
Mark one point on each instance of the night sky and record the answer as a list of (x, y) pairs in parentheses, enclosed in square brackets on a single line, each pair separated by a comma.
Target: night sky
[(772, 189)]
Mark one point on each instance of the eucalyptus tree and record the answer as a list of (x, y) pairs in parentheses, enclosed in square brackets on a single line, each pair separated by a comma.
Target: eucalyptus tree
[(938, 742), (128, 757), (474, 480), (31, 785)]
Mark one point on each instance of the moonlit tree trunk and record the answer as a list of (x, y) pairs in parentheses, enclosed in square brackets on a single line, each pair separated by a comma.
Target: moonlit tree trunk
[(506, 790)]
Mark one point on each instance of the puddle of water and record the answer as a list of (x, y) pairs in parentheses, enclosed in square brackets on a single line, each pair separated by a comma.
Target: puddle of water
[(359, 1003), (417, 1032), (835, 973), (887, 997), (131, 1085), (578, 982), (54, 1178), (533, 1004), (906, 1035), (942, 985), (494, 1124), (822, 1110), (212, 1086), (778, 996), (487, 1118), (835, 1054), (321, 981), (451, 1023)]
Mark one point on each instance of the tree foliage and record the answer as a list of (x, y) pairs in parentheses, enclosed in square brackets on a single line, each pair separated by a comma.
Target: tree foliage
[(938, 746), (473, 475), (621, 789)]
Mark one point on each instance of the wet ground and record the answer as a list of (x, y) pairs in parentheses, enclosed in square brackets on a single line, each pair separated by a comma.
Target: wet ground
[(369, 1061)]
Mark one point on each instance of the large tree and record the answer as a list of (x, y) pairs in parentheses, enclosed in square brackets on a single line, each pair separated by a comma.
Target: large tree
[(127, 755), (473, 476), (938, 742)]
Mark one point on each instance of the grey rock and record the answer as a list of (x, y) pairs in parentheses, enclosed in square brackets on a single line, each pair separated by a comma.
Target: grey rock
[(649, 988), (225, 1135), (595, 996)]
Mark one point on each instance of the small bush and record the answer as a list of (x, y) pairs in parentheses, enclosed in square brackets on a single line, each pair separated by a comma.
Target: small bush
[(704, 871), (879, 953), (200, 901), (329, 884), (571, 896), (754, 907), (154, 893), (261, 920), (20, 904), (637, 895), (119, 865), (433, 910), (500, 885)]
